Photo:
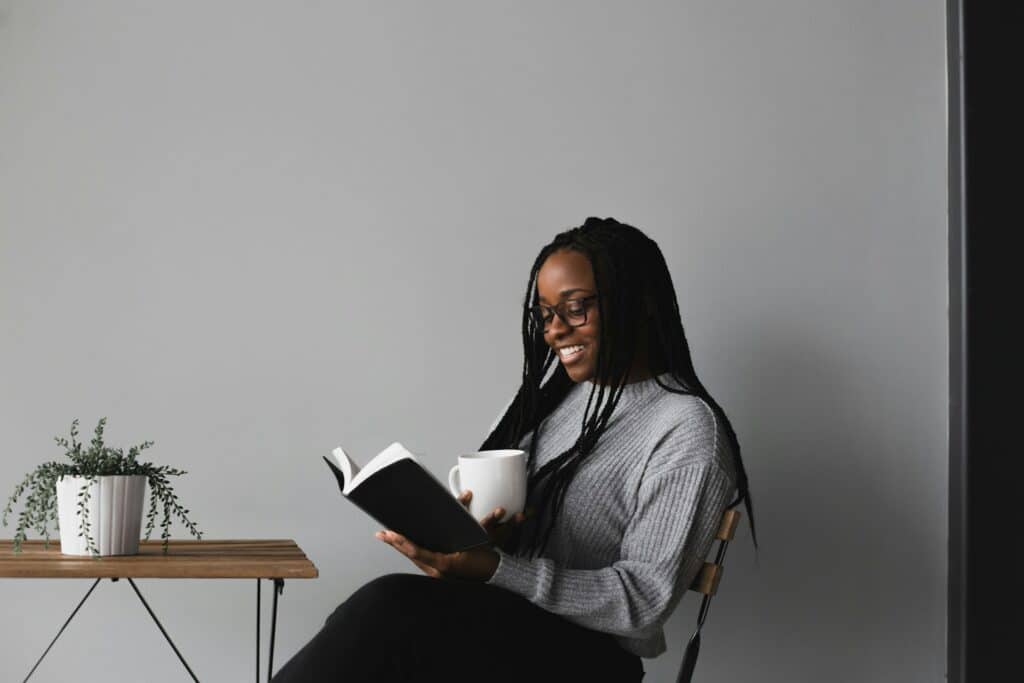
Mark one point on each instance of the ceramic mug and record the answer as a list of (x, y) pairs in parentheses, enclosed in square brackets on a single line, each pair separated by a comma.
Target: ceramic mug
[(496, 478)]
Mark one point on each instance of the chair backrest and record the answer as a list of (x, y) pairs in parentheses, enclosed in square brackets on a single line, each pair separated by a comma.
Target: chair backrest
[(710, 574), (706, 584)]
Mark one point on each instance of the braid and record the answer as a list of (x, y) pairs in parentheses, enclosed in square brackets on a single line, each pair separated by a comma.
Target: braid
[(635, 288)]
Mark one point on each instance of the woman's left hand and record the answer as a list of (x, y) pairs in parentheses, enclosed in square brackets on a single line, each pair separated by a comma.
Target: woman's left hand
[(475, 564)]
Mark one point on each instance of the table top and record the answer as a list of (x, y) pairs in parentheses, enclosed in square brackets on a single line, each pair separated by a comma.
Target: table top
[(185, 559)]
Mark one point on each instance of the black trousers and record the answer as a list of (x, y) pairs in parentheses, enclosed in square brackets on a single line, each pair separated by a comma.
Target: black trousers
[(411, 627)]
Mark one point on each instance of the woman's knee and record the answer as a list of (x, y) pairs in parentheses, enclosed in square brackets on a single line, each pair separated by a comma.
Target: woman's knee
[(393, 588), (381, 597)]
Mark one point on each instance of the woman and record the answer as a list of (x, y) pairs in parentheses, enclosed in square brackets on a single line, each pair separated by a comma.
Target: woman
[(631, 465)]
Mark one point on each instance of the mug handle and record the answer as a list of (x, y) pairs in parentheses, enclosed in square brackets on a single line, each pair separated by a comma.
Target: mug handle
[(453, 474)]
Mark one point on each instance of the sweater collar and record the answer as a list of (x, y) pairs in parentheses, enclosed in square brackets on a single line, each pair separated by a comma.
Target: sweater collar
[(643, 390)]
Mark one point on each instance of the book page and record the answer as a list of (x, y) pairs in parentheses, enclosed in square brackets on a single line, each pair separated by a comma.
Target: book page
[(348, 468), (392, 453)]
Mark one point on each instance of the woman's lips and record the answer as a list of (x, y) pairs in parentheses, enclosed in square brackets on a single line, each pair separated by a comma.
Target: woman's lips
[(571, 358)]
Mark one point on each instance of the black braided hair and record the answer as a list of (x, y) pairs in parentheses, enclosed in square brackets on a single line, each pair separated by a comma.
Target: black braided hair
[(635, 292)]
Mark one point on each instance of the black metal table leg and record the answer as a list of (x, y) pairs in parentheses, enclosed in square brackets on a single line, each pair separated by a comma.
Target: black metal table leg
[(95, 583), (161, 627), (278, 590), (259, 582)]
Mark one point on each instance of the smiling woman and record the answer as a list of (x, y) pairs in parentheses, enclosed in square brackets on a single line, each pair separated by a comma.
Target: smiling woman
[(631, 464), (569, 327)]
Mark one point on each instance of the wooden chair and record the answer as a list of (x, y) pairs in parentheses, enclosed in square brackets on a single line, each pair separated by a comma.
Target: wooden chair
[(706, 584)]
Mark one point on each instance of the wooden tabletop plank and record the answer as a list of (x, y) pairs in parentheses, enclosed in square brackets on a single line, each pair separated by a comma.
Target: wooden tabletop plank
[(185, 559)]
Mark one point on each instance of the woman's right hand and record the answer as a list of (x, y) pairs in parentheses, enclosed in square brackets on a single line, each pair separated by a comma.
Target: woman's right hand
[(497, 530)]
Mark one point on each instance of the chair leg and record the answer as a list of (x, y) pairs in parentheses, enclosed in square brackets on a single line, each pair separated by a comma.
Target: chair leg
[(690, 658)]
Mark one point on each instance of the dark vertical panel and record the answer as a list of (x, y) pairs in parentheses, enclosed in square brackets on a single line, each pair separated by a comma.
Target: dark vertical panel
[(992, 118)]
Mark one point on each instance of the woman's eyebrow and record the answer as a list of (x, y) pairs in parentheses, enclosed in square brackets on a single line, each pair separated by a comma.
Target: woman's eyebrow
[(565, 292)]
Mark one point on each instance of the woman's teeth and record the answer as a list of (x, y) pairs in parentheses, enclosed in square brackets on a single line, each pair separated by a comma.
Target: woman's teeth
[(570, 351)]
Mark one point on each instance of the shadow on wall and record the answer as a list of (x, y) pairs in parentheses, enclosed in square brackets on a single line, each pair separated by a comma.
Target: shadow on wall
[(840, 526)]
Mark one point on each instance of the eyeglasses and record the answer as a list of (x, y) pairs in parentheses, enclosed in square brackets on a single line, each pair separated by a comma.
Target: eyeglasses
[(573, 312)]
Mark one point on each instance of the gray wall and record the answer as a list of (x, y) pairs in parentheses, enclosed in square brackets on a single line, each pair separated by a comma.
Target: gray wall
[(254, 231)]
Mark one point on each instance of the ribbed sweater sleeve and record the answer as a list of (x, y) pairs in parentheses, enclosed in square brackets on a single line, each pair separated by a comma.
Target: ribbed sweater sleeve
[(662, 551)]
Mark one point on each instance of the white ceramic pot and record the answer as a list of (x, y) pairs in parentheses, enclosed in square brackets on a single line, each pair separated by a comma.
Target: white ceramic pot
[(115, 514)]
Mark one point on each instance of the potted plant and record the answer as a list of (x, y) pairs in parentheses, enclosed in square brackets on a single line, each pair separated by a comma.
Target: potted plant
[(95, 500)]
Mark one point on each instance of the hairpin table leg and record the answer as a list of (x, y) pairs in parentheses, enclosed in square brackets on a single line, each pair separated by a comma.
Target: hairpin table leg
[(278, 590), (95, 583), (259, 582), (161, 627)]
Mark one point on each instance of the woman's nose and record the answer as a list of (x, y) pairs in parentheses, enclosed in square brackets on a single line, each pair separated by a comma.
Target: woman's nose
[(557, 327)]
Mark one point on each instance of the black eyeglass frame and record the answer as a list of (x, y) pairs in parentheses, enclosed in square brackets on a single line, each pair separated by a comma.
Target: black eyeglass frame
[(559, 310)]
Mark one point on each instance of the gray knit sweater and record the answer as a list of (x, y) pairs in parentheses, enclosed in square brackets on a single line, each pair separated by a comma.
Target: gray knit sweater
[(638, 517)]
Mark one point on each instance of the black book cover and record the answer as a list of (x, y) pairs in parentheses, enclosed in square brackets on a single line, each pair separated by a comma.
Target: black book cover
[(405, 498)]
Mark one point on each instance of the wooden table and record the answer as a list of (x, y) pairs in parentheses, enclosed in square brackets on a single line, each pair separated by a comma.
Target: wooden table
[(275, 560)]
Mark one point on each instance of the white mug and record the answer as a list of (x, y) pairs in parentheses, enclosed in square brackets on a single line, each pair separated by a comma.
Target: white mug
[(496, 478)]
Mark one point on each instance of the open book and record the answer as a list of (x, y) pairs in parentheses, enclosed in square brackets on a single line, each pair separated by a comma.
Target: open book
[(398, 492)]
